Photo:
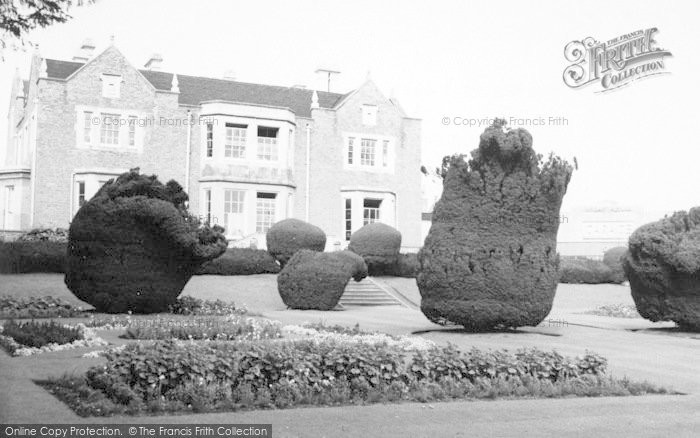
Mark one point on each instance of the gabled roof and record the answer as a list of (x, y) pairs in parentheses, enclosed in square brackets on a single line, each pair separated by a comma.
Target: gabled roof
[(197, 89)]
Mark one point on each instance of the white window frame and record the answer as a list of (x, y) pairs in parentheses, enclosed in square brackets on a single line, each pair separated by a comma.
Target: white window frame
[(371, 214), (358, 153), (209, 140), (234, 203), (268, 148), (90, 124), (265, 211), (109, 129), (235, 140)]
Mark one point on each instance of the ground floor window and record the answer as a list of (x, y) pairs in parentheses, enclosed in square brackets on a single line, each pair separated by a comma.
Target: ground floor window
[(207, 205), (265, 211), (371, 211), (233, 209), (348, 218), (9, 206)]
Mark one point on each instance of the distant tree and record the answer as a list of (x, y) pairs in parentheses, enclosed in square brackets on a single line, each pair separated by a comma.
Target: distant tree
[(19, 17)]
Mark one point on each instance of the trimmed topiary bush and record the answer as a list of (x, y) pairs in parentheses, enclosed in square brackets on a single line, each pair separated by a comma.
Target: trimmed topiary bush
[(490, 259), (582, 270), (241, 261), (613, 260), (134, 246), (20, 257), (288, 236), (663, 268), (379, 245), (317, 280)]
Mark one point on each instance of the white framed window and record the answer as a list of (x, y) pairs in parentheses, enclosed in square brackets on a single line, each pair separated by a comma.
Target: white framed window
[(265, 211), (87, 127), (351, 149), (210, 140), (368, 151), (132, 130), (80, 194), (111, 86), (267, 143), (233, 206), (370, 213), (235, 144), (385, 153), (369, 115), (207, 205), (348, 218), (109, 129)]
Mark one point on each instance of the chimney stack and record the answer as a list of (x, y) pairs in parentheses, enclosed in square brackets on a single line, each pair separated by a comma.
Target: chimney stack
[(324, 78), (85, 52), (230, 75), (154, 62)]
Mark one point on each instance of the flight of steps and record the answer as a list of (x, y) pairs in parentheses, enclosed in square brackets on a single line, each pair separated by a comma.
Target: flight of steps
[(367, 293)]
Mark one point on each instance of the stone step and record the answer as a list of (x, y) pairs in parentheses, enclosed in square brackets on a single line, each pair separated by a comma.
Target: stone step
[(367, 293)]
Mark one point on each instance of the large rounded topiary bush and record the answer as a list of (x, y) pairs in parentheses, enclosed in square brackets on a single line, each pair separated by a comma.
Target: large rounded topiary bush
[(379, 245), (490, 258), (288, 236), (133, 246), (613, 260), (317, 280), (663, 268)]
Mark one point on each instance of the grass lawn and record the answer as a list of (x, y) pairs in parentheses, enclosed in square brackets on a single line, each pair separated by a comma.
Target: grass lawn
[(255, 292)]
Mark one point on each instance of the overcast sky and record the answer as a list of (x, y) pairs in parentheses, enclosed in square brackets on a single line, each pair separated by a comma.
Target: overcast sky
[(635, 146)]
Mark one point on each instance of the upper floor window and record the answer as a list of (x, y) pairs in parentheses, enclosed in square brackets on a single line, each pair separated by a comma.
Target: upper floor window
[(368, 151), (109, 129), (369, 115), (351, 149), (111, 85), (87, 127), (267, 143), (235, 144), (385, 153), (210, 140)]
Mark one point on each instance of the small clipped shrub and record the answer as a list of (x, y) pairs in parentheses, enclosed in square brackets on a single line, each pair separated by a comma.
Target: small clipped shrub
[(379, 245), (317, 280), (663, 268), (134, 246), (20, 257), (45, 235), (582, 270), (241, 261), (613, 260), (288, 236)]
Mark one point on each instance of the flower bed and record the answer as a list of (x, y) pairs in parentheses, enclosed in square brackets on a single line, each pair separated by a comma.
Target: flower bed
[(205, 328), (37, 307), (177, 376), (28, 338)]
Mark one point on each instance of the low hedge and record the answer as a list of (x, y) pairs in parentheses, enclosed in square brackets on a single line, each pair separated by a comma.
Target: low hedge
[(45, 234), (37, 307), (21, 257), (613, 259), (241, 261), (581, 270)]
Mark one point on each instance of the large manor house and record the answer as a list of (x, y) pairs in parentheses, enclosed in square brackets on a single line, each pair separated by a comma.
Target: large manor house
[(247, 154)]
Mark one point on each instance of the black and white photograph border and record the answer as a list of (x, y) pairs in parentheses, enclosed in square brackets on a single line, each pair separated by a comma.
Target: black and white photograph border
[(352, 219)]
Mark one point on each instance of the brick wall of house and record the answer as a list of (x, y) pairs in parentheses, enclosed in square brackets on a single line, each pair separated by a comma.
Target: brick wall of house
[(59, 154)]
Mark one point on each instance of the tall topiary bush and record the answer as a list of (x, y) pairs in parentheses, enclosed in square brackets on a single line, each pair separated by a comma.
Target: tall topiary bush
[(490, 259), (663, 268), (613, 260), (317, 280), (288, 236), (379, 245), (133, 246)]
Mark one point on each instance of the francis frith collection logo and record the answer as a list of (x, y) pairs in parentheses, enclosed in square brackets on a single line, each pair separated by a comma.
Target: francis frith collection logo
[(614, 63)]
